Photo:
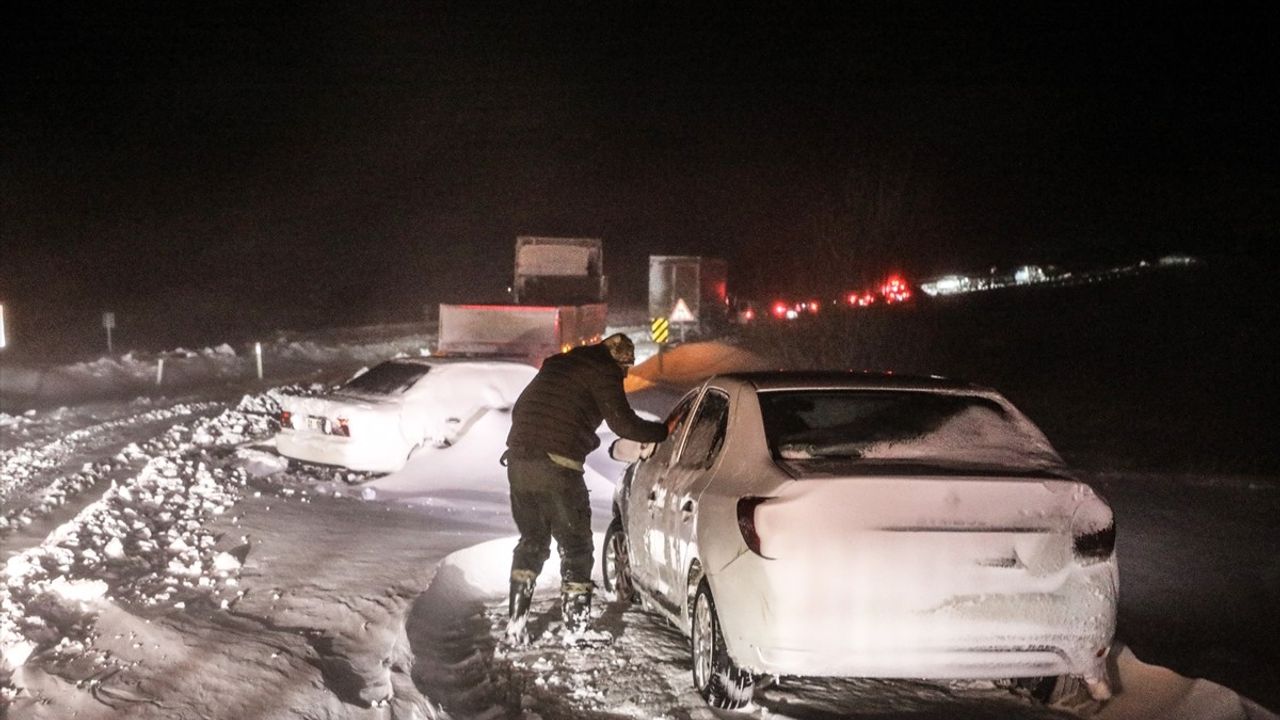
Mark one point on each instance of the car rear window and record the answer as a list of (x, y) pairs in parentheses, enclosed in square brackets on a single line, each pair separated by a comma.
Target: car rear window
[(921, 427), (389, 378)]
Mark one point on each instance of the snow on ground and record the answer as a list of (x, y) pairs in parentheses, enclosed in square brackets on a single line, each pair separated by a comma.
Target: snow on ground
[(645, 672), (214, 579), (35, 456)]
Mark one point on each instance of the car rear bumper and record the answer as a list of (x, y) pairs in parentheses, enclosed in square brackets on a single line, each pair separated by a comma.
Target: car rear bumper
[(989, 662), (845, 626), (363, 455)]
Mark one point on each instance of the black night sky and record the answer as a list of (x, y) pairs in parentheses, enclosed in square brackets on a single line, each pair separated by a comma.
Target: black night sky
[(340, 162)]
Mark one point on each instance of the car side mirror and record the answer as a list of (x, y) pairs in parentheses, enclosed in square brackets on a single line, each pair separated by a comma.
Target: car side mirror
[(626, 451)]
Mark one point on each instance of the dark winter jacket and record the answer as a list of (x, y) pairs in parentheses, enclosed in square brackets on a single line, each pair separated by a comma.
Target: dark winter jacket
[(562, 407)]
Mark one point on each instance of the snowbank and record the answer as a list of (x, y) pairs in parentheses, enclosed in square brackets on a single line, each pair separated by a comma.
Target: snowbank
[(690, 363), (145, 541)]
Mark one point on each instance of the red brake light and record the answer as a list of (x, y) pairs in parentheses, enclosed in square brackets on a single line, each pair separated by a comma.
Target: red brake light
[(779, 309), (286, 419), (747, 522)]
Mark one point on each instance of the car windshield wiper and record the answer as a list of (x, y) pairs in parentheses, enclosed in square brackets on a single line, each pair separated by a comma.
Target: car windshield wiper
[(807, 451)]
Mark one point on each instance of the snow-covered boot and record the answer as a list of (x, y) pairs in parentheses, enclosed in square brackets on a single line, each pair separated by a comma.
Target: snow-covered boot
[(575, 611), (575, 606), (518, 603)]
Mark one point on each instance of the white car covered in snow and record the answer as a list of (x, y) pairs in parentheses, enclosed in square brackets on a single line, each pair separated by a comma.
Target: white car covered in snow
[(857, 525), (377, 420)]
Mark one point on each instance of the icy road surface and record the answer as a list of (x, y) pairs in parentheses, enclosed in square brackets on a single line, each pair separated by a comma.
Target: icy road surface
[(204, 576)]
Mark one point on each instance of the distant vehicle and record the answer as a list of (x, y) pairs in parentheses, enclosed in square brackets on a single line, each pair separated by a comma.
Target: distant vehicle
[(895, 290), (377, 420), (701, 282), (860, 299), (786, 310), (559, 289), (525, 332), (856, 525), (559, 271)]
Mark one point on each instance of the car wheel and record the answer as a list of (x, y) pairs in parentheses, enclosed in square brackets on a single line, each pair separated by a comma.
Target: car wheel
[(718, 680), (1049, 689), (615, 563)]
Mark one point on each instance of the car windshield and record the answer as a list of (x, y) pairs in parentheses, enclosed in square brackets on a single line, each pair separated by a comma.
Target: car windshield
[(920, 427), (389, 378)]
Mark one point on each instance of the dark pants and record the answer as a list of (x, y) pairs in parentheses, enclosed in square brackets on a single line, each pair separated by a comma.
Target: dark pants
[(549, 501)]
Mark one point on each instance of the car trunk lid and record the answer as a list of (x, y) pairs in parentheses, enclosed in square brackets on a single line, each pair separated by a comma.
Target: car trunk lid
[(966, 532)]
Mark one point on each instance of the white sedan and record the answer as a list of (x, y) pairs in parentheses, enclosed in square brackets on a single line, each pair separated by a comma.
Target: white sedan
[(844, 524), (377, 420)]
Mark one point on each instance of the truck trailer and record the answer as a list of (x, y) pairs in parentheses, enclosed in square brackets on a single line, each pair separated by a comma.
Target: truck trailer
[(559, 291), (528, 332), (552, 270), (701, 282)]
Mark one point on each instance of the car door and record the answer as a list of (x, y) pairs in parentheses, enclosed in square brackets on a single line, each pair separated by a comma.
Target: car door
[(647, 496), (687, 476)]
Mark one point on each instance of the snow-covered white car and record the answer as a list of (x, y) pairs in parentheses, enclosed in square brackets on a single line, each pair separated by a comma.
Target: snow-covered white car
[(840, 524), (377, 420)]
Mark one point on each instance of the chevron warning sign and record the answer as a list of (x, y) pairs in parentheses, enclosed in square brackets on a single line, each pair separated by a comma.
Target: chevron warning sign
[(660, 330)]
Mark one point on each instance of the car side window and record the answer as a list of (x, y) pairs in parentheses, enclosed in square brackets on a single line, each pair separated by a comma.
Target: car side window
[(707, 433), (676, 421)]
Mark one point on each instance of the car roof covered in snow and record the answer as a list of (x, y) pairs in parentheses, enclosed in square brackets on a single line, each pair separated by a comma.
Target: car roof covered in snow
[(851, 379), (439, 360)]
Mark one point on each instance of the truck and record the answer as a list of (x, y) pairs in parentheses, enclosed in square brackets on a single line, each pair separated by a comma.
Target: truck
[(559, 271), (701, 282), (559, 302), (529, 332)]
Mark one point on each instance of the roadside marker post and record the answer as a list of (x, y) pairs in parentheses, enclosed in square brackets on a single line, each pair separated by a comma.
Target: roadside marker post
[(4, 338), (109, 323), (257, 352), (660, 332), (160, 371)]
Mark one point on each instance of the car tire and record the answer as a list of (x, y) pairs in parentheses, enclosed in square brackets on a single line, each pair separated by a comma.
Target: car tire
[(615, 564), (720, 682), (1049, 689)]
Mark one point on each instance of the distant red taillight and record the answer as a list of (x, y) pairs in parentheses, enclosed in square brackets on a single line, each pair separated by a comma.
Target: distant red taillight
[(340, 427), (779, 309), (286, 419), (747, 522)]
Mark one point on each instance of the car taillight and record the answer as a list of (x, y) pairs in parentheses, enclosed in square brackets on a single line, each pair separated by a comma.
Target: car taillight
[(340, 427), (747, 522), (286, 419), (1095, 546)]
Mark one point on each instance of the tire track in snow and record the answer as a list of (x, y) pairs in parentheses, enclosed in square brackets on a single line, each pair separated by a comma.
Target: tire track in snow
[(35, 477)]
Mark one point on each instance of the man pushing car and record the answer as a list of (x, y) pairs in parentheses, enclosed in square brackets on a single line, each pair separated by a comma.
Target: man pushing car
[(553, 428)]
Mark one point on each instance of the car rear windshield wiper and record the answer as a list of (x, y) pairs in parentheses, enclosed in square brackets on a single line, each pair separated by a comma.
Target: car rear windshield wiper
[(806, 451)]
